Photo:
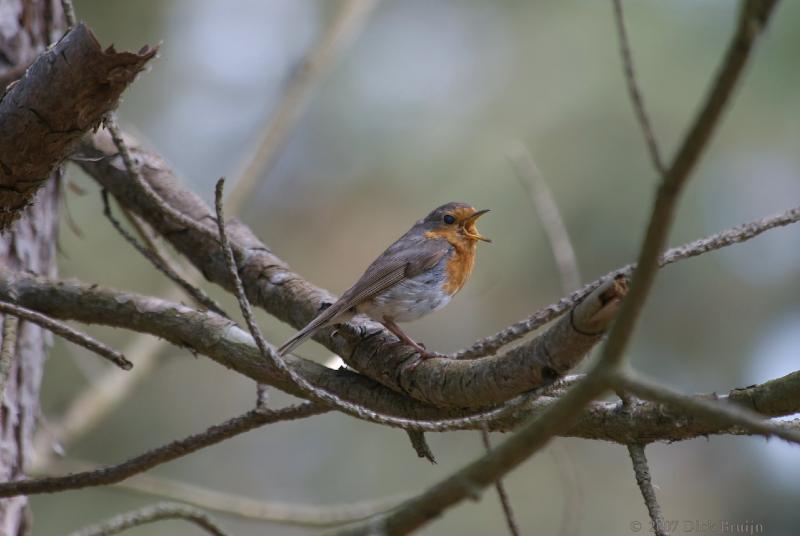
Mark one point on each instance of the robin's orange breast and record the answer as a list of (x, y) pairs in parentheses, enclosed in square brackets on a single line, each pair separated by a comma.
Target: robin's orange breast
[(460, 263)]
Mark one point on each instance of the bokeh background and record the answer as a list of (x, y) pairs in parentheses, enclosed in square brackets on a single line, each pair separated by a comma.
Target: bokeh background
[(421, 110)]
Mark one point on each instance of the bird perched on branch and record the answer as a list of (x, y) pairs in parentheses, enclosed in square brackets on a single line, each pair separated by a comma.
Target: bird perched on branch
[(416, 275)]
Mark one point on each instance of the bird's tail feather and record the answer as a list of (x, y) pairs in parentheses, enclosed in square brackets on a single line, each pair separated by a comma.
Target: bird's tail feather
[(324, 318)]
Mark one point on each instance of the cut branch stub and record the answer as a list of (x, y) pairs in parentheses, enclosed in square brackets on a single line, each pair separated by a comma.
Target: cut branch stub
[(64, 94)]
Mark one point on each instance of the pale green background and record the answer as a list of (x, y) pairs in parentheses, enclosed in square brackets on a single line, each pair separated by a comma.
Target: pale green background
[(422, 111)]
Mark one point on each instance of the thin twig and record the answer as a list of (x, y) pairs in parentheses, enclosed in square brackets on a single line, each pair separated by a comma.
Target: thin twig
[(546, 209), (469, 481), (165, 453), (7, 351), (740, 233), (420, 445), (633, 89), (152, 514), (346, 25), (642, 472), (68, 333), (573, 496), (240, 505), (675, 178), (505, 502), (132, 168), (69, 13), (723, 413), (160, 264)]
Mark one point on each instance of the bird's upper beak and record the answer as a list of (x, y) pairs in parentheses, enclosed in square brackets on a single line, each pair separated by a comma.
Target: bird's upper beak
[(469, 226)]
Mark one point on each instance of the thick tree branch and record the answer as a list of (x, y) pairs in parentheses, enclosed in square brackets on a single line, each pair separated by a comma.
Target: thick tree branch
[(722, 414), (220, 339), (270, 284), (63, 95)]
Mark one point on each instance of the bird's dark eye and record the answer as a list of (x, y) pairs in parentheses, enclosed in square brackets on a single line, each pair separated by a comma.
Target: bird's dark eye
[(449, 219)]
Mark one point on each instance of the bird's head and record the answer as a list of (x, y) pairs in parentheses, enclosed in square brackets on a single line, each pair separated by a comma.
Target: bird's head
[(454, 221)]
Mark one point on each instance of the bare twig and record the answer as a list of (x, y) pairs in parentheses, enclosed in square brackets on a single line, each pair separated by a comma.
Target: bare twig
[(420, 445), (135, 174), (642, 472), (248, 508), (151, 514), (240, 505), (734, 235), (165, 453), (69, 13), (573, 496), (505, 502), (346, 25), (161, 265), (722, 413), (633, 89), (68, 333), (546, 209), (7, 350)]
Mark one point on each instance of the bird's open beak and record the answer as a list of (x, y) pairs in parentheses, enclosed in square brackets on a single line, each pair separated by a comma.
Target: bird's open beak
[(469, 226)]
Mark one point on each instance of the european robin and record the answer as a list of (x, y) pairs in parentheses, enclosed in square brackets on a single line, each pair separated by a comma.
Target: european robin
[(416, 275)]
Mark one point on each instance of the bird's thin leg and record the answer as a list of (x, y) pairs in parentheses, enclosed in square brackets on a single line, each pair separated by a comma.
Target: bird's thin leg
[(400, 334)]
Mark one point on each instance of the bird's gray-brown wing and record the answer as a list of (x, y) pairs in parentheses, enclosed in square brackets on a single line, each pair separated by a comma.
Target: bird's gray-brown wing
[(405, 258)]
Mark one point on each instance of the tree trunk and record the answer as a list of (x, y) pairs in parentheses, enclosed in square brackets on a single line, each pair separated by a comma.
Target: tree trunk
[(27, 27)]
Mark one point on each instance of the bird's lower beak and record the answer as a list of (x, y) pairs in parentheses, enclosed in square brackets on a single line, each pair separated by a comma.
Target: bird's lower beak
[(470, 228)]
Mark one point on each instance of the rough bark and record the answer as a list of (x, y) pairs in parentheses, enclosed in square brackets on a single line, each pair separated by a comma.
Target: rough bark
[(64, 93), (27, 28)]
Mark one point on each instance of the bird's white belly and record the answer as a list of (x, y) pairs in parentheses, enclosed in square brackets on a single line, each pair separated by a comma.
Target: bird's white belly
[(410, 299)]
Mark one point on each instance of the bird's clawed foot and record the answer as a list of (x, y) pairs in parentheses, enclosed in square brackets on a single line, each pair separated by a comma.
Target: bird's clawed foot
[(422, 352)]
